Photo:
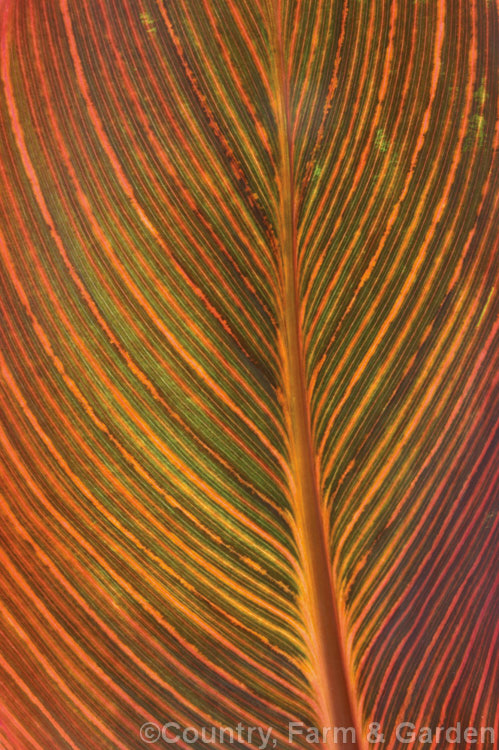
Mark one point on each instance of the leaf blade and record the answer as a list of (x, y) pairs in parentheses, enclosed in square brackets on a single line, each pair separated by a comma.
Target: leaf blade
[(237, 317)]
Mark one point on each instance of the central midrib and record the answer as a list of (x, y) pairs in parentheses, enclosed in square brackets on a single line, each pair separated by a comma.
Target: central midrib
[(318, 597)]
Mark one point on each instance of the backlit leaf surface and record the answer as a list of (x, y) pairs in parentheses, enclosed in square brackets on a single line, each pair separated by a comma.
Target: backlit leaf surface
[(249, 367)]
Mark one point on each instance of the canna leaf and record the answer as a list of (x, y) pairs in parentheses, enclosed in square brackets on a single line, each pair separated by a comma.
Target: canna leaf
[(249, 364)]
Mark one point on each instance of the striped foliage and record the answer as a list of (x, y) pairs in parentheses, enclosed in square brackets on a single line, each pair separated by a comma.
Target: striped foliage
[(249, 367)]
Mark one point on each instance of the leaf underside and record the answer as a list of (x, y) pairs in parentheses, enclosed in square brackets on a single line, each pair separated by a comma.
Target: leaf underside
[(249, 367)]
